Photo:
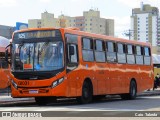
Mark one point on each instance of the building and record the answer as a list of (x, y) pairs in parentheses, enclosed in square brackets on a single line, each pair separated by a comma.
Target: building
[(47, 20), (6, 31), (89, 22), (144, 21), (158, 35)]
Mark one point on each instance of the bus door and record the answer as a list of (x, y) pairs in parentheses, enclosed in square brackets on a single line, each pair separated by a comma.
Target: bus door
[(72, 63)]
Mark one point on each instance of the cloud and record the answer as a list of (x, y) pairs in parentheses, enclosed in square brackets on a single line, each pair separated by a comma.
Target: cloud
[(8, 3)]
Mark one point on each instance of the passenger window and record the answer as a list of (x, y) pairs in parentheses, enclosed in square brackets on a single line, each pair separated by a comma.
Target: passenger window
[(73, 53), (130, 54), (87, 44), (120, 48), (139, 50), (130, 49), (121, 56), (147, 56), (99, 51), (87, 49), (146, 51), (111, 52), (111, 47), (139, 55)]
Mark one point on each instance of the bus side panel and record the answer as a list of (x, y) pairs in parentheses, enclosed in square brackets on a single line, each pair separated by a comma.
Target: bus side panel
[(101, 78), (87, 72), (117, 77), (4, 80), (73, 78), (147, 77), (132, 72)]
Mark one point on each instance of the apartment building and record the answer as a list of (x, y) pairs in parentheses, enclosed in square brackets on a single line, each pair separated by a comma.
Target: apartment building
[(89, 22), (144, 25)]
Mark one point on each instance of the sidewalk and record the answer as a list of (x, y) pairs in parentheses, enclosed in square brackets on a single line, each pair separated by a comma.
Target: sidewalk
[(150, 93)]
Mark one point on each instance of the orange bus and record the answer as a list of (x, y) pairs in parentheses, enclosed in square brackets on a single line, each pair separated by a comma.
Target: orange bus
[(50, 63), (4, 68)]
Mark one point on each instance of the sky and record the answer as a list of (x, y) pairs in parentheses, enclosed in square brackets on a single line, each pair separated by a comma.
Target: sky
[(12, 11)]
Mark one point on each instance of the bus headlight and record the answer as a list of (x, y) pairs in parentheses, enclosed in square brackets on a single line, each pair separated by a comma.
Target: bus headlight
[(57, 82), (14, 84)]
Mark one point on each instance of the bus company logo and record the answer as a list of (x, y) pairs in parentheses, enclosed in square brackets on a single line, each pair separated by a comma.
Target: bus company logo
[(6, 114)]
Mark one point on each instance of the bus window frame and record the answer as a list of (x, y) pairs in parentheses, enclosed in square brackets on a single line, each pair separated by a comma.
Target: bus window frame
[(124, 52), (103, 50), (133, 53), (70, 65), (114, 51), (139, 55), (91, 39)]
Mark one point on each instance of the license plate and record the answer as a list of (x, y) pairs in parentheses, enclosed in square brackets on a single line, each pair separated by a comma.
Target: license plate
[(33, 91)]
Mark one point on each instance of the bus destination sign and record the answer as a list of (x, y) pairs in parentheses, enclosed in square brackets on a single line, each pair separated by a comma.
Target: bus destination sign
[(34, 34)]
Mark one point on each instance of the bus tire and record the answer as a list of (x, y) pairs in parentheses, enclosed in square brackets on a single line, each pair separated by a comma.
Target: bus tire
[(41, 101), (87, 93), (132, 92)]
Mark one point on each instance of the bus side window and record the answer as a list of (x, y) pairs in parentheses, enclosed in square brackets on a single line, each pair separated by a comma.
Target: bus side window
[(87, 49), (111, 51), (72, 53), (130, 54), (147, 56), (121, 55), (100, 51), (139, 55)]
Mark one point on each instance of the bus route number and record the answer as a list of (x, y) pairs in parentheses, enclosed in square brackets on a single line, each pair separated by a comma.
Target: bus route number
[(23, 83)]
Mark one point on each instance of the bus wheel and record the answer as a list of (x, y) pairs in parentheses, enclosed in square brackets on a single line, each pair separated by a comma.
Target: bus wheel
[(132, 92), (41, 101), (87, 93)]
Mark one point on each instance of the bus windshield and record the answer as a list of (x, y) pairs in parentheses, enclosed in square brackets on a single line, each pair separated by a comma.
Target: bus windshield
[(37, 51), (39, 56)]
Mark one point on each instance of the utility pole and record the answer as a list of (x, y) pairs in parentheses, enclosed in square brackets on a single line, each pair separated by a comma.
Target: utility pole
[(129, 33)]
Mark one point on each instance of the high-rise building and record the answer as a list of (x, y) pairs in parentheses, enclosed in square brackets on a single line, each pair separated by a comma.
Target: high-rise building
[(158, 34), (89, 22), (144, 21)]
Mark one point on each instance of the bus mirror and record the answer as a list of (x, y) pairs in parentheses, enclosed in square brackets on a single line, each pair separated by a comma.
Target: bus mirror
[(7, 54), (71, 50)]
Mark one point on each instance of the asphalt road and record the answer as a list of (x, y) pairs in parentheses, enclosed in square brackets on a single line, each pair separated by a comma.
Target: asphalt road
[(103, 109)]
